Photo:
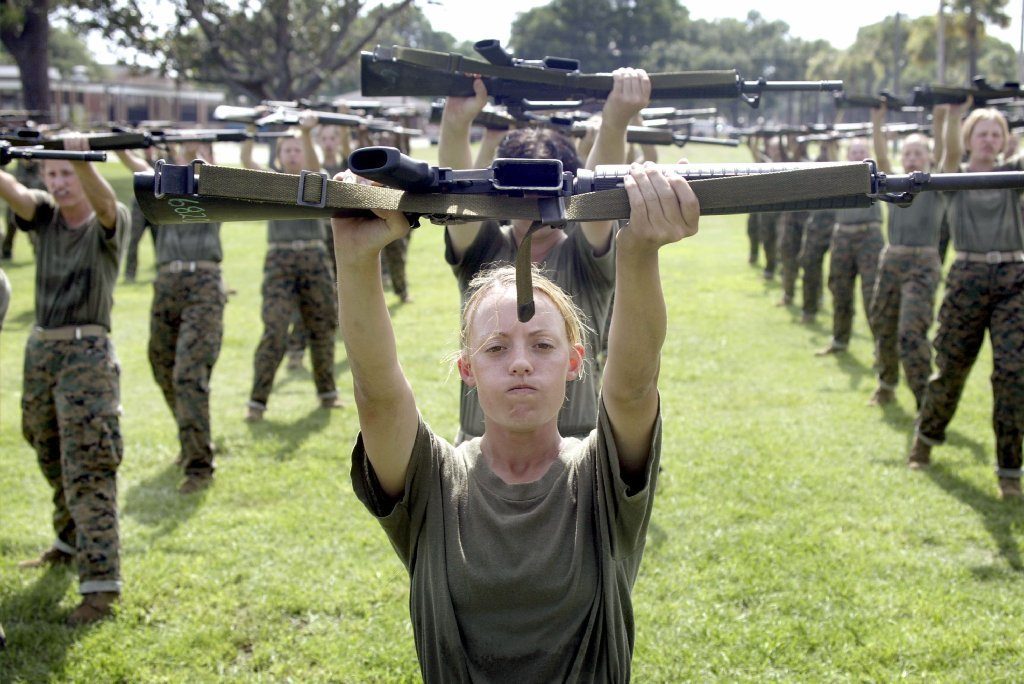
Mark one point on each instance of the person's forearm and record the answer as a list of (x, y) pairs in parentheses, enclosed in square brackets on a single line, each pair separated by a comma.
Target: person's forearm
[(99, 193), (311, 160), (366, 329), (939, 134), (17, 196), (246, 153), (453, 149), (132, 162), (951, 135), (879, 141), (488, 148), (638, 326), (609, 145)]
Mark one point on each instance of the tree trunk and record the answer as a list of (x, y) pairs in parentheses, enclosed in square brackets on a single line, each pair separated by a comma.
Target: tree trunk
[(972, 42), (29, 45)]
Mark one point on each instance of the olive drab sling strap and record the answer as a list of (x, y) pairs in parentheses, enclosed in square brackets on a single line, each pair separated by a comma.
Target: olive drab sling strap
[(277, 195)]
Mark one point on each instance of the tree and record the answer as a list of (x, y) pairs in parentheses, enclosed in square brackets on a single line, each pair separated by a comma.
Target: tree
[(974, 13), (25, 34), (602, 34), (274, 49)]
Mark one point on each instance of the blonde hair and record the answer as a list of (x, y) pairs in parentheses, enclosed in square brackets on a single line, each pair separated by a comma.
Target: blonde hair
[(978, 115), (504, 277)]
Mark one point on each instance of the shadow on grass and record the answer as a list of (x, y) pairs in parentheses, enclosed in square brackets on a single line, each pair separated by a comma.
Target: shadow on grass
[(37, 640), (977, 449), (997, 516), (290, 435), (156, 504), (894, 415)]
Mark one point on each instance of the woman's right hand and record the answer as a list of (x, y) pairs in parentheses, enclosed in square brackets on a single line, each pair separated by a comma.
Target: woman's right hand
[(358, 238)]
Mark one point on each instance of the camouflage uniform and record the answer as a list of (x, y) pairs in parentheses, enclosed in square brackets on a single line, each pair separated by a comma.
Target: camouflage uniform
[(984, 289), (185, 329), (296, 274), (393, 258), (903, 300), (70, 401), (5, 296), (856, 244), (817, 238), (139, 225), (763, 226), (790, 239)]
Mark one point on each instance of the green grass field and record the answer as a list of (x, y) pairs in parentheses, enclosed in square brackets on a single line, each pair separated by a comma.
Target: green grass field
[(788, 543)]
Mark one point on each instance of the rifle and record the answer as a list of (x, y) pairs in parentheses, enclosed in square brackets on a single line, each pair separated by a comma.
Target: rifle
[(220, 193), (9, 152), (883, 99), (127, 140), (408, 71), (982, 94), (537, 190), (669, 112), (283, 115), (640, 135)]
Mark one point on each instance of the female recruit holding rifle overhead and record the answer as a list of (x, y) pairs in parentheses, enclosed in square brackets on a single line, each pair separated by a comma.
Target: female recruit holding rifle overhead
[(522, 546), (984, 290)]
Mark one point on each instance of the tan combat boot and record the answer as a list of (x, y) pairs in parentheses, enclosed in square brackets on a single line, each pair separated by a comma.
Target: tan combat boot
[(920, 456), (195, 483), (93, 608), (1009, 488), (51, 556), (881, 397)]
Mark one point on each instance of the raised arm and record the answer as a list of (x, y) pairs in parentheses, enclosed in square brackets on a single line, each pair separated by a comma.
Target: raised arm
[(952, 150), (879, 141), (310, 160), (488, 147), (453, 150), (246, 152), (940, 114), (663, 210), (97, 190), (387, 409), (631, 92), (133, 162), (17, 196)]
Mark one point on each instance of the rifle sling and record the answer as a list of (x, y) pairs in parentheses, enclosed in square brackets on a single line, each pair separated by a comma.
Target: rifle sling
[(732, 194), (849, 184)]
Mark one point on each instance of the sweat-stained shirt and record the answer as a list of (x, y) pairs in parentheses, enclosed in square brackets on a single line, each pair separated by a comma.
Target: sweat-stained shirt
[(588, 279), (518, 582), (76, 269)]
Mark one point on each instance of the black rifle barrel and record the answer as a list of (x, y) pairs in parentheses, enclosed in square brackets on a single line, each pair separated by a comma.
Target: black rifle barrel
[(920, 181), (9, 152)]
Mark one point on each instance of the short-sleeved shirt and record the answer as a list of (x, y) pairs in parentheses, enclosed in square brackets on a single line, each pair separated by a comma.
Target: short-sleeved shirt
[(76, 269), (518, 582), (572, 265), (987, 220), (918, 224), (188, 242), (855, 215), (286, 230)]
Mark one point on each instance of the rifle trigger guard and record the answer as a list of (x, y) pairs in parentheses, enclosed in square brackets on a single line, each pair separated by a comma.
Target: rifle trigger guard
[(302, 189), (552, 211)]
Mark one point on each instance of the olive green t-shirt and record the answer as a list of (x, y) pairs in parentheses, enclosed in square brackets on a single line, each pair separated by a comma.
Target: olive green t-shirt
[(918, 224), (987, 220), (286, 230), (188, 242), (859, 214), (76, 269), (518, 582), (572, 265)]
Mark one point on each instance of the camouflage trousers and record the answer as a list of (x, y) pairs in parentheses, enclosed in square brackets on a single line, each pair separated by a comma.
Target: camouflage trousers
[(296, 280), (816, 240), (854, 252), (763, 232), (791, 225), (70, 404), (393, 258), (139, 225), (980, 296), (186, 325), (902, 306)]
